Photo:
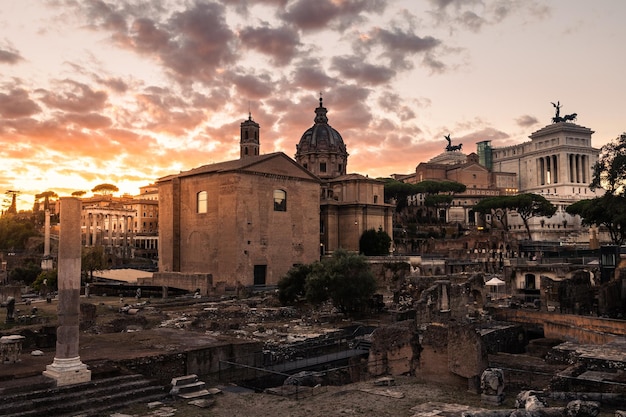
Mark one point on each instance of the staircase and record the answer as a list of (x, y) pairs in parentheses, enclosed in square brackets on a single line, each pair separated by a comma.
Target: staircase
[(88, 399)]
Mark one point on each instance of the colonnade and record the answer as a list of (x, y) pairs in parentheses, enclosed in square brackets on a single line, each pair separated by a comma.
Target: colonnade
[(548, 169), (109, 228), (578, 167)]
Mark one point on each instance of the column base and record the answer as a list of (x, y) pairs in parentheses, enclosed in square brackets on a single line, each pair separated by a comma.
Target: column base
[(68, 371)]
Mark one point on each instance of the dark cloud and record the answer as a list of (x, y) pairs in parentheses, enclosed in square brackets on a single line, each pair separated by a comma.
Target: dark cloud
[(487, 133), (281, 44), (431, 62), (90, 121), (252, 86), (114, 83), (322, 14), (472, 21), (9, 56), (147, 37), (442, 4), (353, 67), (398, 45), (17, 104), (242, 7), (74, 97), (212, 100), (475, 14), (162, 111), (201, 42), (105, 16), (192, 44), (526, 121), (309, 74), (393, 103), (345, 96)]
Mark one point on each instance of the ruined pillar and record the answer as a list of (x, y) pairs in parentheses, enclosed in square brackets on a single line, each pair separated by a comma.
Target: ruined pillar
[(47, 263), (67, 369)]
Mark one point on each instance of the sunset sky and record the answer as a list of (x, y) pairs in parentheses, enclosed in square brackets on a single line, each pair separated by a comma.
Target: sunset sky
[(125, 92)]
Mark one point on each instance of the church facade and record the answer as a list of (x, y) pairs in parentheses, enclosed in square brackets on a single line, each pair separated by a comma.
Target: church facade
[(246, 222), (350, 204)]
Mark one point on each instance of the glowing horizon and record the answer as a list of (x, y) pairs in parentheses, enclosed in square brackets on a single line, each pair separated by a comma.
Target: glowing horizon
[(127, 92)]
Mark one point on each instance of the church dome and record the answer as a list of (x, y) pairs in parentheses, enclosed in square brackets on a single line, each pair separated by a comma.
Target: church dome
[(321, 136), (321, 149)]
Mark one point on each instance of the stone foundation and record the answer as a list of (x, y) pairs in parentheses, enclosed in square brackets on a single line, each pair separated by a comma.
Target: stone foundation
[(68, 371)]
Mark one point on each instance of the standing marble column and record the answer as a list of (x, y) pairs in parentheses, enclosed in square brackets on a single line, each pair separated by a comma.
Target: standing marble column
[(67, 369), (47, 263)]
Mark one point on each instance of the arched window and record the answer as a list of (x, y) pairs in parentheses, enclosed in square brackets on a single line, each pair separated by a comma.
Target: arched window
[(280, 200), (201, 202)]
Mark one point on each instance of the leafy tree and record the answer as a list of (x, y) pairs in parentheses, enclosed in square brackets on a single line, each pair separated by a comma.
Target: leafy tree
[(318, 283), (527, 205), (609, 172), (50, 278), (93, 259), (531, 205), (46, 195), (498, 207), (439, 194), (345, 279), (352, 283), (105, 189), (399, 191), (26, 274), (291, 287), (374, 243), (608, 211), (15, 232), (79, 193)]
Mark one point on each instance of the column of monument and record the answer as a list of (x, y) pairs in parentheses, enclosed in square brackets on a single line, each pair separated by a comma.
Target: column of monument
[(47, 263), (67, 368)]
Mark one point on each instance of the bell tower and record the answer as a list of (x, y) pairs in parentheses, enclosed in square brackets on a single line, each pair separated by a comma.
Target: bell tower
[(249, 140)]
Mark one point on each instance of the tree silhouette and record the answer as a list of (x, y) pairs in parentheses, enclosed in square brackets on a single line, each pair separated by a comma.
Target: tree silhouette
[(374, 243), (609, 172), (526, 205), (608, 211), (46, 196), (105, 189)]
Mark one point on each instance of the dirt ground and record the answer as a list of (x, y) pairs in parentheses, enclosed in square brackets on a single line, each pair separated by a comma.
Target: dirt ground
[(408, 397), (157, 327)]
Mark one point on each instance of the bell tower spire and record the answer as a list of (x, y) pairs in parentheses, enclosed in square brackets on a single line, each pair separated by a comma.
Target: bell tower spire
[(249, 140)]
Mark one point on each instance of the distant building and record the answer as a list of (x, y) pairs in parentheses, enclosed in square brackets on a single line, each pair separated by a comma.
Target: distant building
[(350, 204), (127, 226), (556, 163), (248, 221), (480, 181)]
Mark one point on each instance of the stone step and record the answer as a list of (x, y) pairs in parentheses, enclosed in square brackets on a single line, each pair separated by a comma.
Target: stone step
[(184, 380), (195, 395), (26, 393), (87, 399), (185, 389)]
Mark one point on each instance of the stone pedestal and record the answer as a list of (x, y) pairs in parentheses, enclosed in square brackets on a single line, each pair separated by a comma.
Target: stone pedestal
[(67, 369), (10, 348)]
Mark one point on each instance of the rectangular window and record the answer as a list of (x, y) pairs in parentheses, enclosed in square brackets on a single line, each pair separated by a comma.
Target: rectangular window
[(322, 166), (201, 204), (280, 200)]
